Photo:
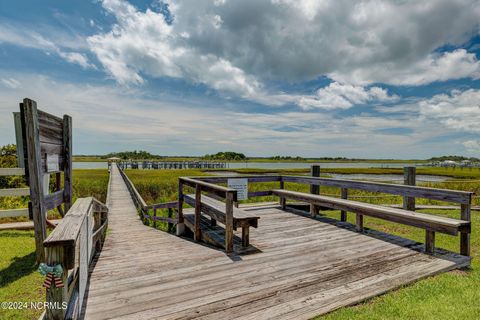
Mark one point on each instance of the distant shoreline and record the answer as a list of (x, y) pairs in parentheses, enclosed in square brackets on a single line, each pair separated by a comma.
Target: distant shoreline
[(172, 159)]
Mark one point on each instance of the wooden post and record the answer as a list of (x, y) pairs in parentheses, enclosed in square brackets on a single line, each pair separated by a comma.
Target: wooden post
[(180, 221), (229, 221), (343, 214), (409, 179), (198, 212), (170, 225), (67, 171), (465, 237), (429, 241), (283, 200), (359, 222), (154, 218), (314, 189), (35, 175), (57, 296), (245, 236)]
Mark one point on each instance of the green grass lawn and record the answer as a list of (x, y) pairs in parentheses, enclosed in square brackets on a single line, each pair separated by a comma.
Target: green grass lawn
[(19, 279)]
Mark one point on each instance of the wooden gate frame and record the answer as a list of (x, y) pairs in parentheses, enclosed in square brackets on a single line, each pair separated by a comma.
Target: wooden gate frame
[(47, 143)]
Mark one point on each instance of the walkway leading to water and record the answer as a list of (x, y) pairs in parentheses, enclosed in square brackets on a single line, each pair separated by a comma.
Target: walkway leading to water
[(305, 267)]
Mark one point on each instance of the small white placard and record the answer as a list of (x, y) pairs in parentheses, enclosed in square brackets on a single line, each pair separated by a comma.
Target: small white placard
[(52, 163), (241, 185)]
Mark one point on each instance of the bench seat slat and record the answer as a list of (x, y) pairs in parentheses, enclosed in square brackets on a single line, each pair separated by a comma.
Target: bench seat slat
[(216, 210), (425, 221)]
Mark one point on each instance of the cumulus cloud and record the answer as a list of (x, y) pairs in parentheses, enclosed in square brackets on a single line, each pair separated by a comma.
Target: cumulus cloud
[(435, 67), (344, 96), (240, 45), (144, 42), (458, 110)]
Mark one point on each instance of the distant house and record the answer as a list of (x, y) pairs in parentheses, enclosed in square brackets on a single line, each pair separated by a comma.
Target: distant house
[(449, 163)]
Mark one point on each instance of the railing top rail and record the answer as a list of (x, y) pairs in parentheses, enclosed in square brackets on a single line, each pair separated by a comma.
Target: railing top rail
[(209, 187), (137, 195), (250, 177), (67, 231), (463, 197), (12, 172)]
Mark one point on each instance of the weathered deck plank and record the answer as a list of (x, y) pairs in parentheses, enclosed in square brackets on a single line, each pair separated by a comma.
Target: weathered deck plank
[(304, 267)]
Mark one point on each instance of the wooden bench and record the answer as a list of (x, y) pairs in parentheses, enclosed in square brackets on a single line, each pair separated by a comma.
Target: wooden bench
[(216, 210), (428, 222)]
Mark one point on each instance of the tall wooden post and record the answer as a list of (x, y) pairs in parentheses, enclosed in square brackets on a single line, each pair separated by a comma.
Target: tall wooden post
[(67, 171), (409, 179), (35, 175), (229, 221), (314, 189), (56, 255)]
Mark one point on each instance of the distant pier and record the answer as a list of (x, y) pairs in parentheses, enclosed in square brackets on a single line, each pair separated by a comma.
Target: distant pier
[(172, 165)]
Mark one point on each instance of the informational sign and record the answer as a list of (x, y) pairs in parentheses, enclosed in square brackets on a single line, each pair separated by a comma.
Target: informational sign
[(241, 185), (52, 163)]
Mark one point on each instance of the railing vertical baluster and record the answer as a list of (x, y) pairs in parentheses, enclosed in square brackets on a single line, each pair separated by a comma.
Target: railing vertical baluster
[(283, 200), (198, 212), (314, 189), (465, 214), (180, 221), (155, 218), (343, 214), (409, 179)]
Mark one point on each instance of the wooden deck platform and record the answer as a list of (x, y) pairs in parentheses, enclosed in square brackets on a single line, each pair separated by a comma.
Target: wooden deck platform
[(303, 268)]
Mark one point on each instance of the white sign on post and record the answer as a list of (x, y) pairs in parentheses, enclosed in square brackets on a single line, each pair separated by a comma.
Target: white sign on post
[(241, 185), (52, 163)]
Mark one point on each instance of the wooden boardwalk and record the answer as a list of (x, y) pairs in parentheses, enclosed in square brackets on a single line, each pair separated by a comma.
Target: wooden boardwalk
[(304, 268)]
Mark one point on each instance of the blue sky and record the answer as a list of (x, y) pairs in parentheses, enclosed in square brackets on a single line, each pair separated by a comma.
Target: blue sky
[(365, 79)]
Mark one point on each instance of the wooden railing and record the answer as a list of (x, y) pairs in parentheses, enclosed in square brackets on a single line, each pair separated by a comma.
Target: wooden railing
[(13, 192), (408, 192), (72, 245), (230, 196), (144, 208)]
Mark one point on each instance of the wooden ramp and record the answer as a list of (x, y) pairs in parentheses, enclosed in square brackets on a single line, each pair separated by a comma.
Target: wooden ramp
[(303, 268)]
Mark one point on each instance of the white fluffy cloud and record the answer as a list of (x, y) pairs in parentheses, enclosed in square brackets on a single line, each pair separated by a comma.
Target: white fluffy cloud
[(239, 45), (344, 96), (143, 42), (459, 110)]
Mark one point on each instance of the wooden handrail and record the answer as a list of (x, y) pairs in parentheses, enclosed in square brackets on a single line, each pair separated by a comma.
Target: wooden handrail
[(143, 207), (209, 187), (462, 197), (72, 245)]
